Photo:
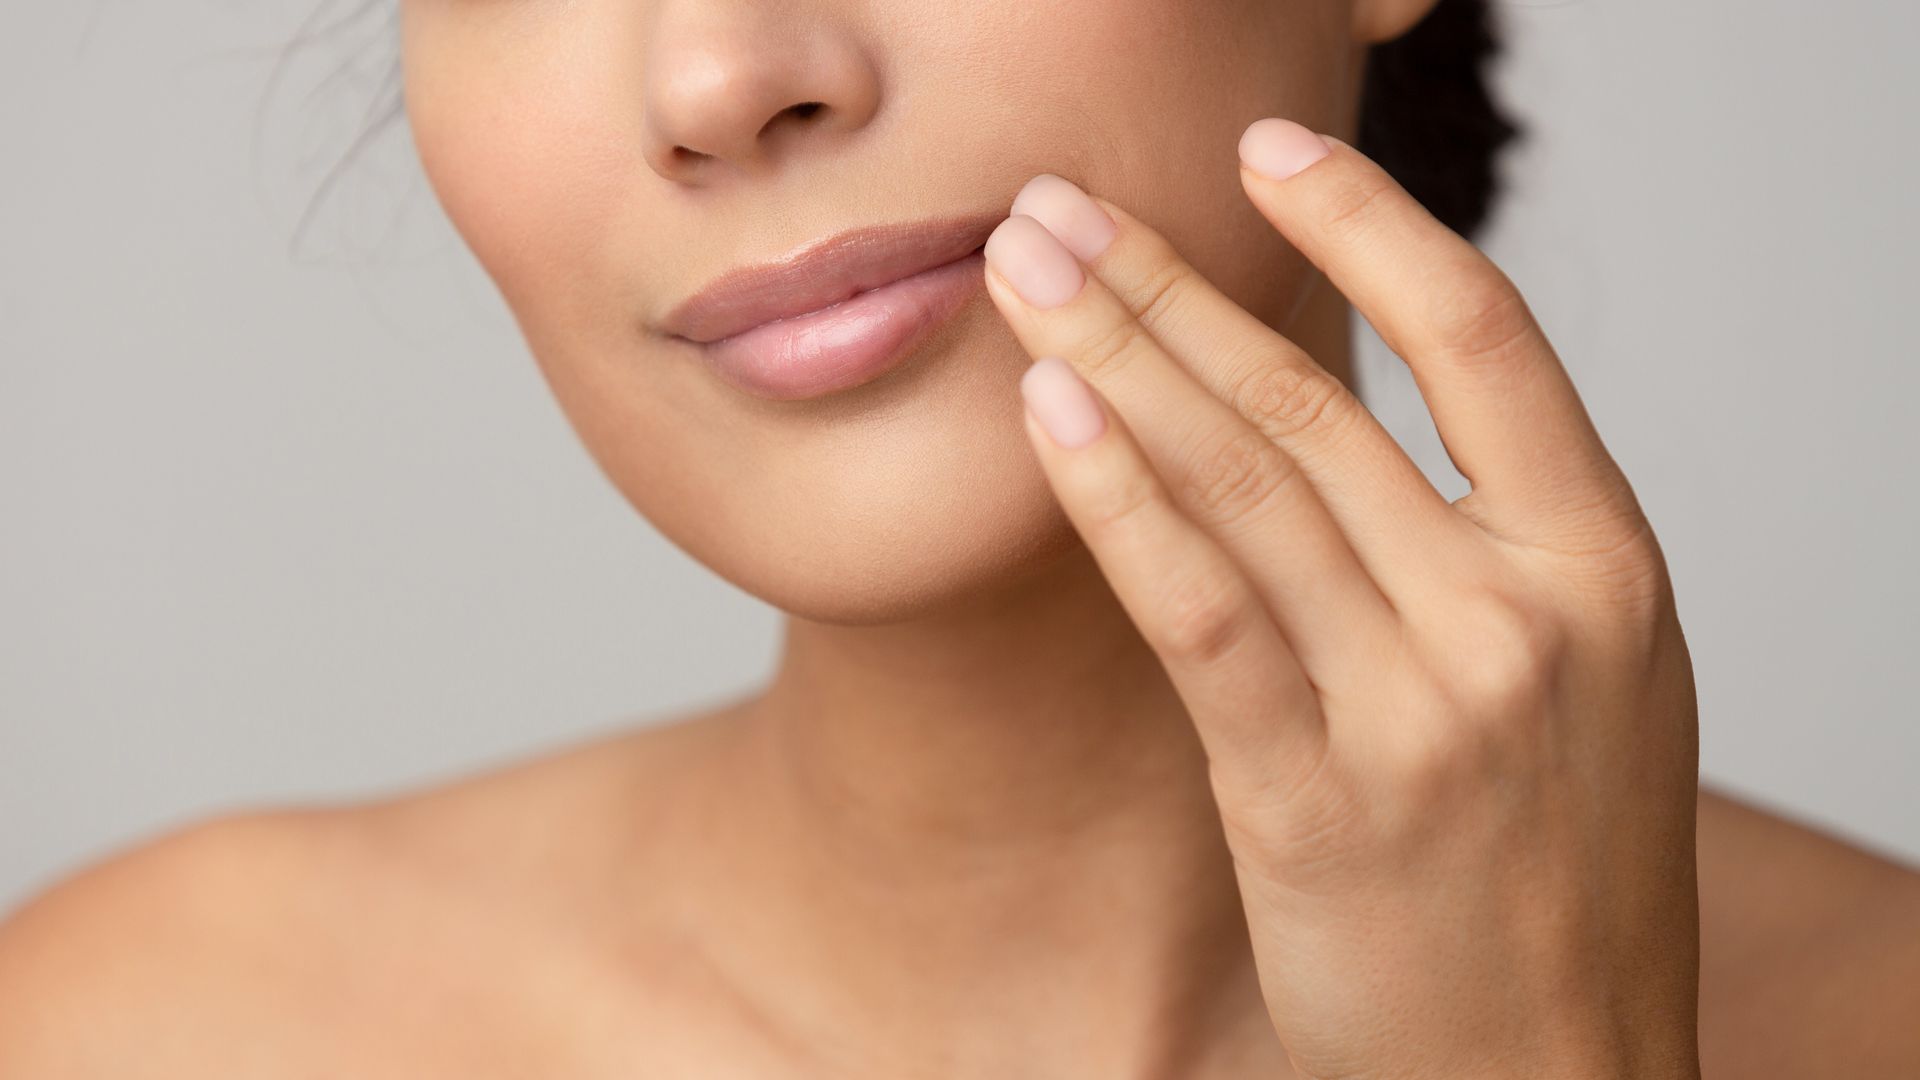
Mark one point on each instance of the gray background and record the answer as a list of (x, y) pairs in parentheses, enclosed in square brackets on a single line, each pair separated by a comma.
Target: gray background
[(287, 514)]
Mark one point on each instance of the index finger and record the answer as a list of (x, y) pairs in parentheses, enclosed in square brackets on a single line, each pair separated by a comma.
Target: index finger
[(1503, 403), (1376, 492)]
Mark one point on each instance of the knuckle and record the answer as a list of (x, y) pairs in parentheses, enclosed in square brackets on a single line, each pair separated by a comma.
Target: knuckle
[(1156, 299), (1107, 349), (1608, 527), (1284, 398), (1505, 655), (1636, 564), (1603, 546), (1351, 208), (1442, 752), (1233, 474), (1626, 571), (1439, 762), (1302, 815), (1481, 318), (1425, 748), (1622, 533), (1121, 504), (1203, 618)]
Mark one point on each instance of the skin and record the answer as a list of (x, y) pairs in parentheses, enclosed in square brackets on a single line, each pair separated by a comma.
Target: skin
[(1018, 800)]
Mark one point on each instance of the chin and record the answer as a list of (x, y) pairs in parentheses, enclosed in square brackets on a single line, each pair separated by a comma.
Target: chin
[(905, 496), (926, 559)]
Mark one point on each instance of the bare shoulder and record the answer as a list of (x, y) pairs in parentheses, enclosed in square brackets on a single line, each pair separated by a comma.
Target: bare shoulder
[(256, 938), (110, 970), (1810, 951)]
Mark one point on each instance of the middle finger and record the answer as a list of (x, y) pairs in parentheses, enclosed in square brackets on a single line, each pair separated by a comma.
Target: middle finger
[(1384, 503), (1223, 471)]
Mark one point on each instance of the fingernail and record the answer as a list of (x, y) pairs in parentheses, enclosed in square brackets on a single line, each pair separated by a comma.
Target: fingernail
[(1033, 262), (1073, 218), (1277, 149), (1062, 401)]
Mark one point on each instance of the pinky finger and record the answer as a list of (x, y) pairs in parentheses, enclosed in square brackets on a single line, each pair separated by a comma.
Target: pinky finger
[(1233, 668)]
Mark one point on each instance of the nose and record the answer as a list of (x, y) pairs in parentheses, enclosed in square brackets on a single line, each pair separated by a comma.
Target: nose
[(736, 86)]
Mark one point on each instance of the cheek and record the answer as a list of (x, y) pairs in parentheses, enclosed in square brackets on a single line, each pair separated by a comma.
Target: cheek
[(527, 155), (921, 486), (1143, 102), (1169, 142), (914, 489), (868, 509), (535, 165)]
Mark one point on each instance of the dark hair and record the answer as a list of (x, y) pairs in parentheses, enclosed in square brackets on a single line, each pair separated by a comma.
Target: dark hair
[(1428, 115)]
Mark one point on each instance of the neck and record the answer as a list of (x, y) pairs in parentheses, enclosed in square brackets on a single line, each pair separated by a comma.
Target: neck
[(995, 824)]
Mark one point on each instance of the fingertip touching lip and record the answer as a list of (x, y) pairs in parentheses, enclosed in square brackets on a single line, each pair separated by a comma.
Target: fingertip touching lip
[(825, 272)]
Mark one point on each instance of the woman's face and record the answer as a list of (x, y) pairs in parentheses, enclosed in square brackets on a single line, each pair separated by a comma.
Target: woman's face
[(606, 159)]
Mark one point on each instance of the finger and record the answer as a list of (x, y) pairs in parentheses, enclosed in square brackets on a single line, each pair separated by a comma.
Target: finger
[(1249, 697), (1381, 499), (1503, 403), (1228, 476)]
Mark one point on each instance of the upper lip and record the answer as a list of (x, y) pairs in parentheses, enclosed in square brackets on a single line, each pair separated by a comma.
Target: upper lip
[(824, 272)]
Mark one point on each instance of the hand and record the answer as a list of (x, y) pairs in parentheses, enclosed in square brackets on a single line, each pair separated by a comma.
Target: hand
[(1453, 744)]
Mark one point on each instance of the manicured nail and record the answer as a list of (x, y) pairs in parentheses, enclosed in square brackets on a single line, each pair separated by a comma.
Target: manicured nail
[(1062, 401), (1067, 212), (1277, 149), (1033, 262)]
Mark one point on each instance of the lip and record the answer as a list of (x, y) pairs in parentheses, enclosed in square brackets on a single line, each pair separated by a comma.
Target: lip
[(838, 311)]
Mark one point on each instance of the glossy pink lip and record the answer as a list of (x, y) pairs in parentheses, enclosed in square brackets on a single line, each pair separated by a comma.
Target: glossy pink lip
[(837, 312)]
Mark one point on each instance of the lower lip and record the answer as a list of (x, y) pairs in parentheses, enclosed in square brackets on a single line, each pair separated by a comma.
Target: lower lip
[(848, 343)]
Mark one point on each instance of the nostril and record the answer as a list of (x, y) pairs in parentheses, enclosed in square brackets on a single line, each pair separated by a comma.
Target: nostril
[(801, 112)]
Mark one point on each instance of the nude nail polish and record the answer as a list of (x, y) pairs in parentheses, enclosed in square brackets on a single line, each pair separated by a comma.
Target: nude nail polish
[(1278, 149), (1073, 218), (1062, 401), (1044, 273)]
